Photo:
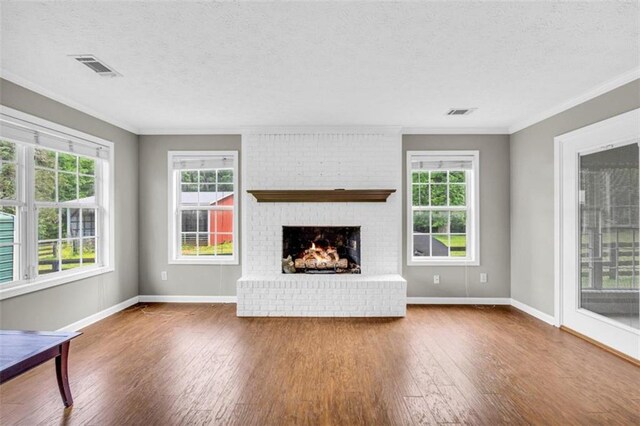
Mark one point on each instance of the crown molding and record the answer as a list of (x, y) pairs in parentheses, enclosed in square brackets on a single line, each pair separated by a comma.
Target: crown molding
[(9, 76), (240, 130), (455, 131), (596, 91), (324, 129)]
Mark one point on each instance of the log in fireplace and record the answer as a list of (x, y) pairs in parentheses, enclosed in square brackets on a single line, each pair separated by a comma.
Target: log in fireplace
[(321, 249)]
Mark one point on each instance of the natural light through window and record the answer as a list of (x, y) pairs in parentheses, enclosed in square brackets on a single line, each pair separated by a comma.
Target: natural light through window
[(204, 207), (442, 206), (55, 192)]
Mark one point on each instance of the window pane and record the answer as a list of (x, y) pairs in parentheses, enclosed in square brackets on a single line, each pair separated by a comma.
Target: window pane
[(188, 245), (45, 158), (438, 177), (48, 257), (189, 177), (87, 188), (8, 181), (67, 162), (7, 151), (422, 177), (458, 245), (421, 245), (8, 210), (67, 187), (48, 224), (225, 176), (189, 221), (70, 223), (8, 251), (71, 254), (225, 187), (421, 222), (208, 194), (441, 245), (457, 177), (420, 195), (224, 244), (440, 222), (221, 221), (458, 222), (207, 244), (189, 194), (45, 185), (88, 222), (457, 194), (88, 251), (439, 195), (203, 221), (204, 248), (87, 166), (208, 176)]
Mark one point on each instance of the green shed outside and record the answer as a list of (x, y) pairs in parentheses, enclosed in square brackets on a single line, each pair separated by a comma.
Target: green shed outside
[(7, 222)]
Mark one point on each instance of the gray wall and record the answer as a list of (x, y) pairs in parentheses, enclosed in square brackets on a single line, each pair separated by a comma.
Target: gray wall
[(194, 280), (59, 306), (532, 197), (461, 281)]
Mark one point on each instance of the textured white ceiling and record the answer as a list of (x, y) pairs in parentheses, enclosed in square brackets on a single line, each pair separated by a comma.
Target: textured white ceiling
[(199, 65)]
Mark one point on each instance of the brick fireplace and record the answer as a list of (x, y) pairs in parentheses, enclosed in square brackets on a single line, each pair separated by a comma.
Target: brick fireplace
[(321, 160)]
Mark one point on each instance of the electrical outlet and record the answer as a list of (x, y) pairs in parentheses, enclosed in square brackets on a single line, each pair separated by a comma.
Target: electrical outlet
[(163, 275), (436, 279), (483, 277)]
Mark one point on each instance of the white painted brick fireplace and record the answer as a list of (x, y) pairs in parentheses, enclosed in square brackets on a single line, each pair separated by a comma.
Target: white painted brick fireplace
[(322, 160)]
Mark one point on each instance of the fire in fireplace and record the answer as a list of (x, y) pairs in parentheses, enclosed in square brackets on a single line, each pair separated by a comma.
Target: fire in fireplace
[(321, 249)]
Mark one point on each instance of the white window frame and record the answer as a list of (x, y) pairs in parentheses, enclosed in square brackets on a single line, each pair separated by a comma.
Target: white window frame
[(175, 257), (473, 212), (105, 189)]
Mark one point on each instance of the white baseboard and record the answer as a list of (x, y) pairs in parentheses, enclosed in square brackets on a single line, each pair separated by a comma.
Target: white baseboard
[(458, 301), (533, 312), (188, 299), (79, 325)]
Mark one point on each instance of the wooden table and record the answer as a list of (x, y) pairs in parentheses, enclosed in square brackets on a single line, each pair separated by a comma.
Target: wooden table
[(20, 351)]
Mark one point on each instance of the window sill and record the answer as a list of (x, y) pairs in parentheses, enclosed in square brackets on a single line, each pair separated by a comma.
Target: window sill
[(456, 262), (205, 262), (19, 288)]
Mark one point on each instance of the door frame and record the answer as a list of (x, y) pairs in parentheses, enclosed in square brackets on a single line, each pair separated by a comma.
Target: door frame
[(623, 127)]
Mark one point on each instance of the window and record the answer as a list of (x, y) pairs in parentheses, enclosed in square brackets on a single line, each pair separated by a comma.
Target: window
[(55, 195), (203, 205), (442, 207)]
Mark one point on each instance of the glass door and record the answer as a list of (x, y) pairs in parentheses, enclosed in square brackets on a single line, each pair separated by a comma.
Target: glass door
[(598, 222), (609, 240)]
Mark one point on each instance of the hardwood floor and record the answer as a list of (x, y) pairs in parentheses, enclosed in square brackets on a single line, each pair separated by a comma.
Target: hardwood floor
[(164, 364)]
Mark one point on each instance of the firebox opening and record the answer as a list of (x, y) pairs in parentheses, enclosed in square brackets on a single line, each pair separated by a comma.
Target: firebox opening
[(321, 250)]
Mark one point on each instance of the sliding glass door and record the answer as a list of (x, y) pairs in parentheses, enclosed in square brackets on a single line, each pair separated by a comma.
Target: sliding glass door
[(599, 263), (609, 240)]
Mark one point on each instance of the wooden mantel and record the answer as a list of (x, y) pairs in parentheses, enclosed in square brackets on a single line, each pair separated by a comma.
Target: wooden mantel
[(321, 195)]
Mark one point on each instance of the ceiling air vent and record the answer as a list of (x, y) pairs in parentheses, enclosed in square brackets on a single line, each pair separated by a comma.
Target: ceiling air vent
[(96, 65), (460, 111)]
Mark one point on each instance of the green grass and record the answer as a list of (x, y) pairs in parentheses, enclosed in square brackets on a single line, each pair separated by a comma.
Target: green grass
[(45, 253), (224, 248), (455, 241)]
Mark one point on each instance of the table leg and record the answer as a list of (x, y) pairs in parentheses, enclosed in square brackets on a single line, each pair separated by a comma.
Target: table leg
[(63, 377)]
